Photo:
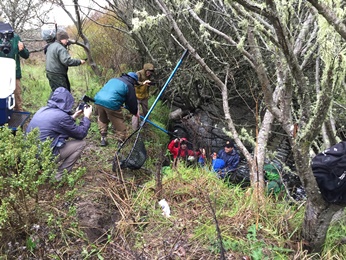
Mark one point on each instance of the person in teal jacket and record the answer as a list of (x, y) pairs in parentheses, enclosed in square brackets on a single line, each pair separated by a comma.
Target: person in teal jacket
[(109, 102), (17, 51)]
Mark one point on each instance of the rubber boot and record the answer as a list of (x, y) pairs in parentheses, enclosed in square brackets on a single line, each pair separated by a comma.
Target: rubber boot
[(104, 141)]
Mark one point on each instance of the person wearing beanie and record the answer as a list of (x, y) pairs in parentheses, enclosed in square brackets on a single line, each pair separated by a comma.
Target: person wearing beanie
[(62, 35), (58, 60), (109, 101), (231, 158), (17, 51), (145, 79)]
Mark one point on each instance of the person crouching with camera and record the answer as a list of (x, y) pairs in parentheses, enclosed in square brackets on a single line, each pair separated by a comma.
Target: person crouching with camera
[(56, 121), (14, 48)]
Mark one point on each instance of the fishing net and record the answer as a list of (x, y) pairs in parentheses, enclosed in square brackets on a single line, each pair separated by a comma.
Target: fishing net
[(131, 154)]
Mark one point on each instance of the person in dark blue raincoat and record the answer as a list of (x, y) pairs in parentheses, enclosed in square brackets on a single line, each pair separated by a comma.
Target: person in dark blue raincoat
[(231, 158)]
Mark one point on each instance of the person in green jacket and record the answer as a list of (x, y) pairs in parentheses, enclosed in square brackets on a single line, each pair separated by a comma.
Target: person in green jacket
[(17, 50), (58, 60)]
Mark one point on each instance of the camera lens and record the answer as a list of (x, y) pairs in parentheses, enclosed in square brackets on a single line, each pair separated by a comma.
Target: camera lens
[(6, 49)]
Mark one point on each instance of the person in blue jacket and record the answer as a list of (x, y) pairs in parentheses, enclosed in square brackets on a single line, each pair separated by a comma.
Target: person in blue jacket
[(231, 158), (56, 121), (109, 102)]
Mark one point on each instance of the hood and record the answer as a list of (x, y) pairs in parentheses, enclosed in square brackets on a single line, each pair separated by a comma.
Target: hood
[(129, 79), (183, 141), (148, 66), (62, 99)]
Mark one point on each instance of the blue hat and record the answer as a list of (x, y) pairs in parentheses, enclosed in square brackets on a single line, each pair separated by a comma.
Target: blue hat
[(133, 75)]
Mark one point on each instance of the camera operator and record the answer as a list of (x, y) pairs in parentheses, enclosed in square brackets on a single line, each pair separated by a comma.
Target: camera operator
[(14, 50), (55, 121), (58, 60)]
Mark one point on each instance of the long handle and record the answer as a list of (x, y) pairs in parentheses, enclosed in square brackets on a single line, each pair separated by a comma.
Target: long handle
[(157, 126), (164, 87), (172, 134)]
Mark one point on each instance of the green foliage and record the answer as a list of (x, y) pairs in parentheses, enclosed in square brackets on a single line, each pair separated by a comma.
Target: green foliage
[(25, 165), (83, 82), (27, 170), (159, 113), (30, 244), (335, 237), (193, 193), (111, 49), (35, 87)]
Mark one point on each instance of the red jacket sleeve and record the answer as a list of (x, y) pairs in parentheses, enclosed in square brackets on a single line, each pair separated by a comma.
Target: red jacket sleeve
[(173, 149)]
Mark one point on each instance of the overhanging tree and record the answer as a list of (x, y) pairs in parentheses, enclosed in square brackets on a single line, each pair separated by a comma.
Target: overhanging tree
[(283, 53)]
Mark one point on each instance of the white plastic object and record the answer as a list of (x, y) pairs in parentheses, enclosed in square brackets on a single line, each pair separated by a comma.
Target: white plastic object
[(165, 208), (191, 158), (7, 76)]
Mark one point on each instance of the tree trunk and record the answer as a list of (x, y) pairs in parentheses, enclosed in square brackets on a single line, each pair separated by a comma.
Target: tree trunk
[(318, 213), (316, 223)]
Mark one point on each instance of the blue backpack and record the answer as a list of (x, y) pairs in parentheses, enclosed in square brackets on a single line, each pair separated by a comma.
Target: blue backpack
[(329, 168)]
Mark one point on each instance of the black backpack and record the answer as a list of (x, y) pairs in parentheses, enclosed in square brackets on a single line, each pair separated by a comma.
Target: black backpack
[(329, 168)]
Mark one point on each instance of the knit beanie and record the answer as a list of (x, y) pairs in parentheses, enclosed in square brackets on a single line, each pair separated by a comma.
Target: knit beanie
[(62, 35)]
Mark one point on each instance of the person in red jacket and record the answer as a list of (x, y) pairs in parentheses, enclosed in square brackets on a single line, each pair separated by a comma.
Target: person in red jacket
[(179, 149)]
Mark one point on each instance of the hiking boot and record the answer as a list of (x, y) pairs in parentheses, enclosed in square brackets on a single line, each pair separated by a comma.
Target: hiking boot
[(104, 141)]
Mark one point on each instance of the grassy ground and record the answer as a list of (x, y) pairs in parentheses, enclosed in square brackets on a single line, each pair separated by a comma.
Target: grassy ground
[(116, 215)]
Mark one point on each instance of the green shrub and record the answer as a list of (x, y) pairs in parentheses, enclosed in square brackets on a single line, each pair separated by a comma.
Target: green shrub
[(25, 164)]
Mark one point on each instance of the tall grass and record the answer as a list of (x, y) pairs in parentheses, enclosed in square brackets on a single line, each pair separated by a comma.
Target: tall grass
[(36, 89), (197, 199)]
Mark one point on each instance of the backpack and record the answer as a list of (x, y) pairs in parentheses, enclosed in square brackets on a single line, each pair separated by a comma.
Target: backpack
[(329, 169)]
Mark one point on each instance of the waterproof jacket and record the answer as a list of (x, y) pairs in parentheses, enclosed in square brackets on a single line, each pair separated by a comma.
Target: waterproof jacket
[(231, 159), (16, 54), (54, 120), (58, 59), (142, 91), (116, 93), (177, 152)]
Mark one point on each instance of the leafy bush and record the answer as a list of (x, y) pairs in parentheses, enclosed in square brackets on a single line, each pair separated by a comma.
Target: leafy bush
[(25, 164)]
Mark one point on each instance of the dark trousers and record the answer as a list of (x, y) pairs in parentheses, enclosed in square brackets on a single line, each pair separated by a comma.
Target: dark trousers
[(58, 80)]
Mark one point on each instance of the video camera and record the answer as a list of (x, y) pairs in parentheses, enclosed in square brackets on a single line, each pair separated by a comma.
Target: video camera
[(6, 34), (85, 102)]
